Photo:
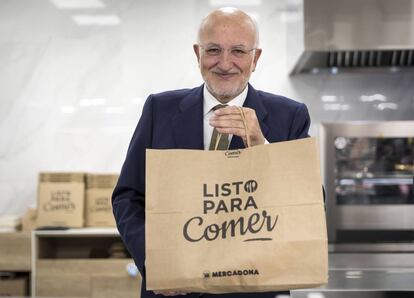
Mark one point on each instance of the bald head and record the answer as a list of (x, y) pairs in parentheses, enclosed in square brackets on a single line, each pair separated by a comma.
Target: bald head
[(227, 52), (229, 16)]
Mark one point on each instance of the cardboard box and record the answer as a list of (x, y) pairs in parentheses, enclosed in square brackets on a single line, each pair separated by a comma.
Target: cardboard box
[(99, 188), (14, 287), (61, 199)]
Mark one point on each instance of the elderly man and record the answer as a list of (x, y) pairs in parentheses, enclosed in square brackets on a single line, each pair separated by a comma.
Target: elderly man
[(227, 53)]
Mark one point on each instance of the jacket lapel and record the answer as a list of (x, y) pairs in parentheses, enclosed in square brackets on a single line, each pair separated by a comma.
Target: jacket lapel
[(188, 122), (252, 101)]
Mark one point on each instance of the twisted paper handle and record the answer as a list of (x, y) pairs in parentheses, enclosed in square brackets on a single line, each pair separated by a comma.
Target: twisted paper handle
[(245, 128), (245, 125)]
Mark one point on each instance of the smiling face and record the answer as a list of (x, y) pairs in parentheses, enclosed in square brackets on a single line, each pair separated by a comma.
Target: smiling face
[(226, 52)]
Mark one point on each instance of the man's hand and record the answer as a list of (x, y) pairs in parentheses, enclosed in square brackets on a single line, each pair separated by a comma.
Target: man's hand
[(228, 120), (169, 293)]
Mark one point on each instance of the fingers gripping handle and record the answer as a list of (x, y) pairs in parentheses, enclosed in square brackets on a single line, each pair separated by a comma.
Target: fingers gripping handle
[(245, 125), (243, 116)]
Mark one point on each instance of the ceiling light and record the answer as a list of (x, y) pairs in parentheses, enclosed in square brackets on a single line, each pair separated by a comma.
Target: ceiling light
[(371, 98), (335, 107), (387, 106), (353, 274), (77, 4), (329, 98), (96, 20)]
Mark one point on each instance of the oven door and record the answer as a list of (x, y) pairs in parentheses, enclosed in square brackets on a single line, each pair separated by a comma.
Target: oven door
[(368, 176)]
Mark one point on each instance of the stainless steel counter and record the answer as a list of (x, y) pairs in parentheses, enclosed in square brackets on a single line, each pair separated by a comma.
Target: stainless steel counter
[(371, 260), (364, 283), (368, 275)]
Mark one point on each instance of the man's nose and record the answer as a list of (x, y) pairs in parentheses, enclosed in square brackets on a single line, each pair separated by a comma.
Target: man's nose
[(225, 60)]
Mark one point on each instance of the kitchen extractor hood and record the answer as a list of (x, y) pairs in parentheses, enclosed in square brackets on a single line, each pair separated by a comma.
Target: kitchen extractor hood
[(357, 35)]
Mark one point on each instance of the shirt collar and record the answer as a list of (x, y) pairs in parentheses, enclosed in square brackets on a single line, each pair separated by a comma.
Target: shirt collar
[(210, 101)]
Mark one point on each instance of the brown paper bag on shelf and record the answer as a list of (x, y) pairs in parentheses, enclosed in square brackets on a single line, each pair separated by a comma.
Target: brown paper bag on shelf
[(61, 199), (250, 220), (98, 207)]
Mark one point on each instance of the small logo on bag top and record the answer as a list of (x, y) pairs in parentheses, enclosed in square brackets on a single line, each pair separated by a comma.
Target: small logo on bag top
[(206, 274), (232, 153)]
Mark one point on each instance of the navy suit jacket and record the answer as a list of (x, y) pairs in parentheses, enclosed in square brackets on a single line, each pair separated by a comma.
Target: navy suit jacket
[(172, 120)]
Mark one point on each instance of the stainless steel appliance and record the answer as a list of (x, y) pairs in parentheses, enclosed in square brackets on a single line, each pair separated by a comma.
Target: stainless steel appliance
[(368, 177), (355, 35)]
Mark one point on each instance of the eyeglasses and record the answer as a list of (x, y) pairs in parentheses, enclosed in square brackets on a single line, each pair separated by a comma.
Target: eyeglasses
[(215, 51)]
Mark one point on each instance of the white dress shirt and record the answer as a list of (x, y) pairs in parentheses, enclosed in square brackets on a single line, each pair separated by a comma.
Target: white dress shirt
[(209, 103)]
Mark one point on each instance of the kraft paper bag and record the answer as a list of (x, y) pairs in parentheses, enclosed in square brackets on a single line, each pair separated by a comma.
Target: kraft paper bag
[(249, 220), (61, 199), (98, 207)]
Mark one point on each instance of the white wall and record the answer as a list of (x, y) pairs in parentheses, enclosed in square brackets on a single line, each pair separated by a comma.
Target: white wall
[(71, 95)]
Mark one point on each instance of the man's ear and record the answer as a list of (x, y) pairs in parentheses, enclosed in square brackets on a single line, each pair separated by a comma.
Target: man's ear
[(256, 57), (196, 49)]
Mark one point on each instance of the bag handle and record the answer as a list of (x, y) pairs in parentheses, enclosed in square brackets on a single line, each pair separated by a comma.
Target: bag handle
[(243, 116), (245, 125)]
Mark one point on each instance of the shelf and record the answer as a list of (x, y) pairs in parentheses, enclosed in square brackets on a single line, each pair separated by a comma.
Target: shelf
[(87, 232), (15, 252), (82, 262)]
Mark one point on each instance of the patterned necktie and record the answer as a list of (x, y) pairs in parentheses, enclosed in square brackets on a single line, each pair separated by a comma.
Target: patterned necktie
[(219, 141)]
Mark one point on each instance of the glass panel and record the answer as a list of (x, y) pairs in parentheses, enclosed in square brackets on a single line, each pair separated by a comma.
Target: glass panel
[(374, 170)]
